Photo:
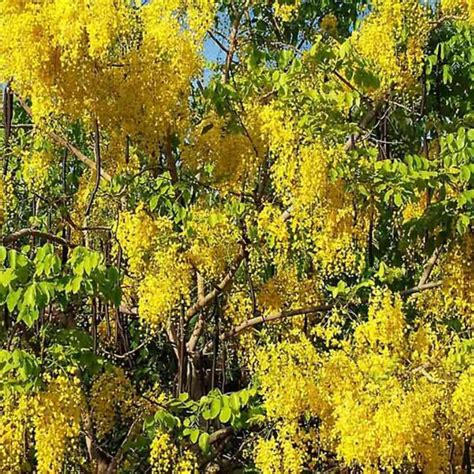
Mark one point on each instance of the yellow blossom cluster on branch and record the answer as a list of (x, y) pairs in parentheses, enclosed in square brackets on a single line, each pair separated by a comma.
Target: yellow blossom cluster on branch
[(57, 422), (459, 8), (105, 60), (393, 37), (14, 417), (111, 399), (52, 417), (233, 151), (377, 406), (166, 457)]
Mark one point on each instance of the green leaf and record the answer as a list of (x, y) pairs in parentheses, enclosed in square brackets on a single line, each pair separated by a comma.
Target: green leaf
[(12, 299), (154, 202), (215, 408), (3, 254), (204, 442), (7, 276), (225, 414), (465, 173), (194, 435), (234, 402), (28, 316)]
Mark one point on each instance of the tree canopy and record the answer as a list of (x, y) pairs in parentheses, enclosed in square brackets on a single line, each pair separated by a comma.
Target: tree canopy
[(236, 236)]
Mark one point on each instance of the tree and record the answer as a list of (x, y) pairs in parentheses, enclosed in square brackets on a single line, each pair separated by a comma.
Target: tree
[(236, 236)]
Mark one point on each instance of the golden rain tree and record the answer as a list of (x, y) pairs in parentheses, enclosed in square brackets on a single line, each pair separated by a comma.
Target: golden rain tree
[(236, 236)]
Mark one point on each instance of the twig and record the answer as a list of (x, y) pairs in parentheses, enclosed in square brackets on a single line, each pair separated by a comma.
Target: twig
[(98, 167), (429, 267), (129, 353), (63, 142), (36, 233), (202, 303), (232, 47), (419, 288)]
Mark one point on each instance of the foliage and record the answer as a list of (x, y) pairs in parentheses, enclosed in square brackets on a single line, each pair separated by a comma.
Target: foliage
[(236, 236)]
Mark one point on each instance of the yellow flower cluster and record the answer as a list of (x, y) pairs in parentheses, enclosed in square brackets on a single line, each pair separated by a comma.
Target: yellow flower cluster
[(137, 233), (288, 291), (286, 10), (284, 452), (35, 167), (463, 403), (233, 155), (293, 367), (459, 8), (14, 417), (106, 59), (392, 38), (389, 397), (166, 284), (156, 257), (213, 242), (57, 422), (386, 324), (274, 232), (5, 184), (111, 400), (322, 212), (165, 457)]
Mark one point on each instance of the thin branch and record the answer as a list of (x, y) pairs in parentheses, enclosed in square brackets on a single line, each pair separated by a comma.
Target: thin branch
[(275, 317), (420, 288), (36, 233), (202, 303), (63, 142), (218, 42), (98, 167), (232, 47), (129, 353), (429, 267), (311, 310), (120, 452)]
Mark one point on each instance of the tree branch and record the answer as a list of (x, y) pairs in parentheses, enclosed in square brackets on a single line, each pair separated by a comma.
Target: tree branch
[(98, 167), (232, 47), (207, 299), (36, 233), (63, 142), (275, 317)]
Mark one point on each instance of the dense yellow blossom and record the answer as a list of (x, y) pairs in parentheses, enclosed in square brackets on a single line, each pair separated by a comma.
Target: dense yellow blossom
[(286, 10), (164, 287), (167, 458), (463, 403), (3, 199), (136, 234), (321, 209), (57, 422), (282, 453), (162, 453), (292, 365), (234, 154), (459, 8), (70, 56), (392, 38), (376, 409), (14, 418), (35, 166), (111, 399), (386, 324), (214, 242)]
